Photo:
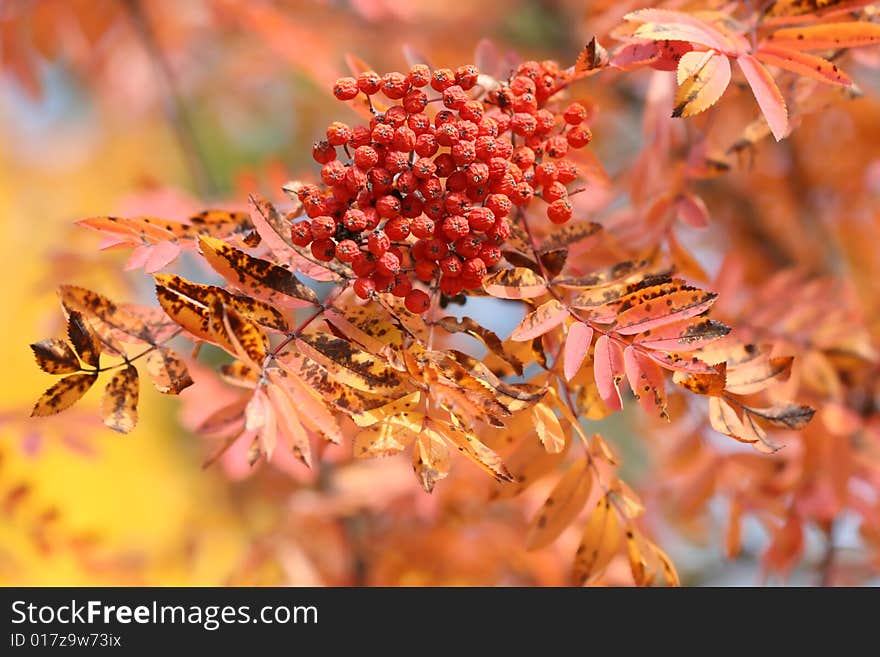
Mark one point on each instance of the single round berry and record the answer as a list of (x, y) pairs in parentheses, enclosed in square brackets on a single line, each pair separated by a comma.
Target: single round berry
[(388, 264), (323, 227), (364, 287), (575, 114), (455, 226), (398, 228), (324, 249), (301, 233), (355, 220), (345, 88), (347, 250), (480, 219), (323, 152), (422, 227), (450, 265), (366, 157), (378, 243), (369, 82), (559, 211), (364, 264), (417, 301)]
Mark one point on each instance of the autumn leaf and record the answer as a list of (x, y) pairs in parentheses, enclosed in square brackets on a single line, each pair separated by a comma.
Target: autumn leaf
[(577, 345), (804, 64), (691, 209), (114, 316), (55, 356), (167, 371), (667, 25), (288, 417), (786, 415), (390, 436), (663, 309), (677, 363), (491, 341), (516, 283), (703, 384), (608, 369), (544, 318), (258, 278), (350, 365), (825, 36), (767, 94), (684, 335), (591, 58), (430, 459), (570, 233), (469, 445), (119, 403), (646, 381), (599, 542), (561, 507), (64, 394), (548, 428), (702, 77), (757, 374), (83, 338), (528, 462)]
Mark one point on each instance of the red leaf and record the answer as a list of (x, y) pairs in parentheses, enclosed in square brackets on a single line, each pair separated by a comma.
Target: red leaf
[(801, 63), (646, 381), (767, 94), (608, 370), (577, 344)]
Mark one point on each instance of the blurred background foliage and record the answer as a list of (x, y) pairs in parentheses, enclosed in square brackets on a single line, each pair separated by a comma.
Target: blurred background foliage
[(114, 106)]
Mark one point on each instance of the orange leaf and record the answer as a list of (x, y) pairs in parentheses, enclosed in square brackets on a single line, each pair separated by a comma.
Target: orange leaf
[(64, 394), (684, 335), (55, 356), (430, 458), (544, 318), (826, 36), (667, 25), (516, 283), (767, 94), (599, 542), (646, 381), (608, 370), (548, 428), (801, 63), (561, 507), (119, 405), (663, 310)]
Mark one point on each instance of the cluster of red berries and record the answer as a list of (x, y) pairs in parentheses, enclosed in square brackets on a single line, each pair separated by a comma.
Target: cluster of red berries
[(425, 194)]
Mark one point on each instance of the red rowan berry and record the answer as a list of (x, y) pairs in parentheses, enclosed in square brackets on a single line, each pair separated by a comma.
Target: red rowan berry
[(396, 161), (499, 233), (545, 173), (523, 124), (455, 226), (474, 268), (526, 103), (468, 246), (435, 249), (323, 227), (522, 85), (435, 209), (364, 287), (456, 182), (480, 219), (504, 148), (472, 110), (454, 97), (463, 153), (301, 233), (444, 116), (522, 194), (324, 249), (451, 286), (404, 139), (388, 264), (360, 136), (381, 180), (378, 243), (568, 171), (333, 173), (323, 152), (406, 182), (485, 147), (466, 76), (575, 114), (419, 76), (369, 82), (456, 203), (383, 282), (490, 254), (579, 136), (355, 179), (523, 157), (556, 147), (415, 101), (559, 211), (422, 227), (431, 188), (419, 123), (401, 286), (366, 157), (424, 168), (426, 145), (383, 134), (372, 217), (426, 270), (501, 119), (467, 130), (411, 206), (450, 265), (347, 250), (364, 264), (499, 204), (447, 134), (338, 133), (397, 229), (396, 116), (477, 173), (394, 85), (442, 79), (444, 164), (545, 120), (554, 191), (345, 88), (417, 302), (388, 206), (355, 220)]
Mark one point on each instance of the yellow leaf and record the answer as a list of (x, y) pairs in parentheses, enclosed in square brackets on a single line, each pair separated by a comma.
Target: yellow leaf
[(404, 404), (599, 543), (528, 462), (469, 445), (167, 371), (258, 278), (548, 428), (562, 505), (702, 77), (83, 339), (544, 318), (64, 394), (55, 356), (350, 365), (119, 404), (430, 458), (391, 436), (516, 283)]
